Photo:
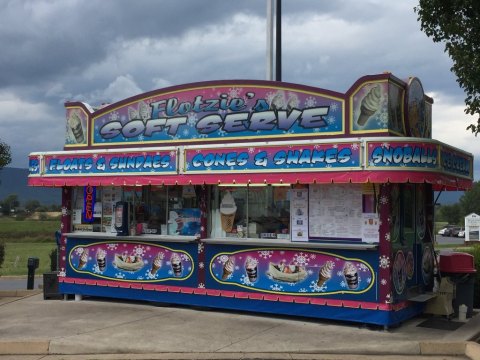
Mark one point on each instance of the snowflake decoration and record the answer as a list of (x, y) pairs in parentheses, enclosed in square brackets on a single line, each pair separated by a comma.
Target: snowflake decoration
[(331, 120), (384, 200), (310, 272), (355, 146), (114, 116), (62, 273), (265, 254), (120, 275), (251, 150), (383, 282), (315, 288), (149, 275), (139, 250), (64, 211), (201, 248), (112, 246), (386, 145), (185, 132), (302, 290), (79, 251), (276, 287), (333, 107), (222, 259), (369, 280), (184, 257), (234, 92), (192, 119), (343, 284), (245, 280), (201, 285), (140, 137), (387, 237), (310, 102), (340, 273), (301, 259), (96, 269), (362, 267), (201, 265), (384, 262)]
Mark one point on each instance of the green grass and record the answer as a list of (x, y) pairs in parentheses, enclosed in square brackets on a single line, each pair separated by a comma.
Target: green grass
[(28, 231), (17, 254)]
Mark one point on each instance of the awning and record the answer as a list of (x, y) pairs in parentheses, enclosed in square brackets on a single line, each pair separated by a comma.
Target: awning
[(440, 181)]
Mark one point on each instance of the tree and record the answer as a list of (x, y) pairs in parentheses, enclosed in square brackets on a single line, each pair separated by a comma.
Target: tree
[(5, 155), (450, 213), (470, 201), (10, 203), (32, 205), (456, 23)]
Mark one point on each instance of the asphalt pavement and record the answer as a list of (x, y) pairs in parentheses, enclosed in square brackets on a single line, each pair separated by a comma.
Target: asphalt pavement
[(99, 328)]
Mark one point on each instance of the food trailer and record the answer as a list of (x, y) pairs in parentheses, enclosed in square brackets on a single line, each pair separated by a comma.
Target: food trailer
[(257, 196)]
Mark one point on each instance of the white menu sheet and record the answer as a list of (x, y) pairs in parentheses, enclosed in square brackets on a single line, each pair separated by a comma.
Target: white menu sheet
[(335, 211), (299, 214)]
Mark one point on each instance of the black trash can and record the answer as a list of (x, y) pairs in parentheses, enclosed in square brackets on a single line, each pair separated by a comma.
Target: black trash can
[(460, 267), (464, 292)]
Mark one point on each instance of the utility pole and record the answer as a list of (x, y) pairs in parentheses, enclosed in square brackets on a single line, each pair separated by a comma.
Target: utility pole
[(274, 40)]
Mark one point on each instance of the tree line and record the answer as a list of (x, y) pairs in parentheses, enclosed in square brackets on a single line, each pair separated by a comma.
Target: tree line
[(469, 203)]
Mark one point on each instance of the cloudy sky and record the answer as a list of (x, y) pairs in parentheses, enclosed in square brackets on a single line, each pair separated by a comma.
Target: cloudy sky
[(100, 51)]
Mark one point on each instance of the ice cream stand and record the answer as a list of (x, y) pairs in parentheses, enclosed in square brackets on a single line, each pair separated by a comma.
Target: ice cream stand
[(257, 196)]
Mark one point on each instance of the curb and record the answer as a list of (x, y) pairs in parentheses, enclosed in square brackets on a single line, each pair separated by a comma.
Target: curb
[(19, 293), (469, 349)]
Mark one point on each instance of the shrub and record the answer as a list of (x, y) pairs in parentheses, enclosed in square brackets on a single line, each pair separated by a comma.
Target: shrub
[(475, 251), (42, 216), (53, 260)]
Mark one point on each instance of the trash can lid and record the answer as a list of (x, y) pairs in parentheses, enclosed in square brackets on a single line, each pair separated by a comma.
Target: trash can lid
[(456, 263)]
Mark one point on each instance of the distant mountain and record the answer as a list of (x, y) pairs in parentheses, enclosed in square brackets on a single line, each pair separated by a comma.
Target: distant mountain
[(14, 181)]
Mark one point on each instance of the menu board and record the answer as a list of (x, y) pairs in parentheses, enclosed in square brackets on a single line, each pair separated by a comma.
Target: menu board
[(110, 196), (335, 211), (299, 214)]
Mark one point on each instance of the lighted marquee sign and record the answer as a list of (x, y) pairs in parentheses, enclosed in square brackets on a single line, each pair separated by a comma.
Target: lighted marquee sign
[(274, 158), (222, 112), (403, 154), (89, 196), (131, 163)]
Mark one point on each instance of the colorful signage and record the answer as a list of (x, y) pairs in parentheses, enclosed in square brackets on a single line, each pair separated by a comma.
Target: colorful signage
[(222, 112), (131, 261), (295, 272), (456, 162), (307, 157), (131, 163), (76, 133), (403, 154)]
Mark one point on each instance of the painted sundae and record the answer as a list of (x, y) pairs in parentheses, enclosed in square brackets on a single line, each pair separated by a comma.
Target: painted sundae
[(128, 262), (176, 263), (251, 268), (351, 275), (101, 262)]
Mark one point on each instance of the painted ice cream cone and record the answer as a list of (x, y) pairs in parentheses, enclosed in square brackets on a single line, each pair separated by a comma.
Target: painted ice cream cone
[(83, 259), (157, 263), (251, 269), (351, 275), (228, 268), (370, 105), (76, 127), (325, 273), (228, 210), (101, 262), (176, 262)]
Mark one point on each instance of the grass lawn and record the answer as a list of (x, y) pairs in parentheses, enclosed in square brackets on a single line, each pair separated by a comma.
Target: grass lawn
[(17, 254), (30, 231)]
